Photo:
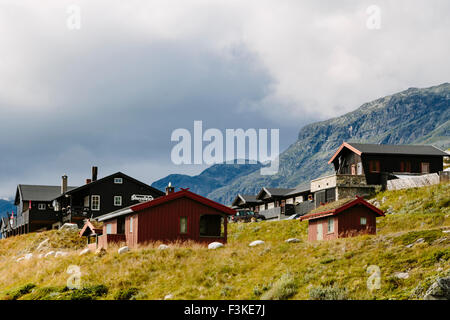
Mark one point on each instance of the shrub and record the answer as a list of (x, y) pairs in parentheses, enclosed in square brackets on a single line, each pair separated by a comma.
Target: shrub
[(88, 293), (19, 292), (126, 294), (284, 288), (328, 293)]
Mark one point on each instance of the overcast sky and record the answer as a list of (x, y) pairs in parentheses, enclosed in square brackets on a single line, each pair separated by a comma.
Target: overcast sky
[(111, 93)]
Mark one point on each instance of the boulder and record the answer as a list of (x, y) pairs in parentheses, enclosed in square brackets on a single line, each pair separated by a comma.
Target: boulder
[(401, 275), (256, 243), (292, 240), (60, 254), (163, 247), (168, 297), (20, 259), (84, 251), (69, 226), (439, 290), (28, 256), (215, 245), (50, 253), (123, 250)]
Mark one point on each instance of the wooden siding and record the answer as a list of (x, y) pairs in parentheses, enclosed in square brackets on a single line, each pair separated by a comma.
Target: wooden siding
[(162, 223), (349, 221)]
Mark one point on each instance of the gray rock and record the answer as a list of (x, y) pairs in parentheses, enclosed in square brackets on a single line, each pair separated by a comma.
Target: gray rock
[(123, 250), (84, 251), (401, 275), (69, 226), (215, 245), (163, 247), (168, 297), (256, 243), (383, 200), (50, 253), (20, 259), (439, 290), (28, 256), (292, 240), (60, 254)]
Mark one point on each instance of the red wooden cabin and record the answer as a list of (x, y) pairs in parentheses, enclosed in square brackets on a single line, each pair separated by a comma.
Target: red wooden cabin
[(177, 216), (343, 218)]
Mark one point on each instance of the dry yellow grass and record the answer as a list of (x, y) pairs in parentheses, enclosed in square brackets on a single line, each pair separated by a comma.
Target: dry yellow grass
[(275, 270)]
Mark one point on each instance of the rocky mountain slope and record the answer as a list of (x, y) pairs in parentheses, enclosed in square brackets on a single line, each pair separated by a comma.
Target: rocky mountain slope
[(413, 116), (6, 206)]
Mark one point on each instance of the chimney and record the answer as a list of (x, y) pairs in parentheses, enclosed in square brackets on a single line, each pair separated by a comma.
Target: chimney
[(88, 181), (169, 189), (64, 184), (94, 173)]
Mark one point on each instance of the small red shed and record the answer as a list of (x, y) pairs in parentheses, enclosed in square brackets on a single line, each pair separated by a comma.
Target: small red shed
[(177, 216), (342, 218)]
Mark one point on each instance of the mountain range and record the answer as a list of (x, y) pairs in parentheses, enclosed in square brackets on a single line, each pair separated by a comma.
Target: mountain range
[(6, 206), (413, 116)]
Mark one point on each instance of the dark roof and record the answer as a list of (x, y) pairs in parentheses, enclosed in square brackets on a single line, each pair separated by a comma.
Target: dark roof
[(117, 174), (400, 149), (245, 198), (38, 192), (274, 192), (91, 228), (301, 188), (166, 198), (335, 207)]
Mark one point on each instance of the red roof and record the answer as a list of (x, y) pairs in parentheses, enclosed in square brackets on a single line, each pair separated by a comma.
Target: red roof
[(179, 194), (346, 206)]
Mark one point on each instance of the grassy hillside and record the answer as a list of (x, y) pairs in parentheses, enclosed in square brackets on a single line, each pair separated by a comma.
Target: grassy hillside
[(275, 270)]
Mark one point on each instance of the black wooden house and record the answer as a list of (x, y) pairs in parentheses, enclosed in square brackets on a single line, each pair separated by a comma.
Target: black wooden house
[(98, 197), (377, 162)]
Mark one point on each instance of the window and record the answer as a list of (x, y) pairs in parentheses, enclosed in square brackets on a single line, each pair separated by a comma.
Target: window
[(42, 206), (211, 225), (109, 228), (330, 225), (95, 203), (405, 166), (363, 221), (118, 180), (374, 166), (183, 225), (359, 170), (131, 224), (118, 201), (425, 167), (86, 202)]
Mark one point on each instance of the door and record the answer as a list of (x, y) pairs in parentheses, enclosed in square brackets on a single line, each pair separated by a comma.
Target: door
[(425, 167), (353, 170), (319, 231)]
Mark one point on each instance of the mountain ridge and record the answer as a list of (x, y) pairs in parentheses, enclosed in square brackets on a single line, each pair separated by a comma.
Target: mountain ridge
[(412, 116)]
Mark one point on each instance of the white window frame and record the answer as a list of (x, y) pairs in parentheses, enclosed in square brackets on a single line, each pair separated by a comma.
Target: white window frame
[(42, 206), (363, 219), (118, 180), (117, 204), (131, 224), (109, 228), (184, 218), (93, 197), (330, 230)]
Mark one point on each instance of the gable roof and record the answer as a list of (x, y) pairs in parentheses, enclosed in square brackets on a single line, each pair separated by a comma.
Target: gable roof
[(29, 192), (117, 174), (301, 188), (336, 207), (400, 149), (89, 229), (245, 198), (164, 199), (273, 192)]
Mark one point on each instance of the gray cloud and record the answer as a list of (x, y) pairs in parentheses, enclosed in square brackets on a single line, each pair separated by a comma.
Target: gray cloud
[(111, 93)]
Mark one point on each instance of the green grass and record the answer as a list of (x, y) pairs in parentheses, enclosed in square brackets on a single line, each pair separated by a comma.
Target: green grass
[(276, 270)]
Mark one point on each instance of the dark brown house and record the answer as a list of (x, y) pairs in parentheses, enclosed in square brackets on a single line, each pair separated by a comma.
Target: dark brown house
[(377, 162), (177, 216), (98, 197), (343, 218)]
